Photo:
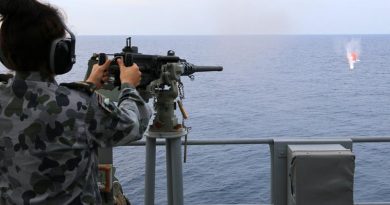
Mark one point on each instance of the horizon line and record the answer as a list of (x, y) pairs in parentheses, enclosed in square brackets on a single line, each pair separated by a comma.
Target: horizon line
[(341, 34)]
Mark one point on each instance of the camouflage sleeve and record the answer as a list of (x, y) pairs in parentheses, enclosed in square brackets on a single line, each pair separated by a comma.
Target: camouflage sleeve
[(112, 124)]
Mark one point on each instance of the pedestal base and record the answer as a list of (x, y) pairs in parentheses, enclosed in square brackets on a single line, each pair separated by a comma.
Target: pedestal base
[(173, 163)]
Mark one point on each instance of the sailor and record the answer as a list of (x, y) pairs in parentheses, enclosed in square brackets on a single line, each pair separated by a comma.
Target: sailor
[(49, 134)]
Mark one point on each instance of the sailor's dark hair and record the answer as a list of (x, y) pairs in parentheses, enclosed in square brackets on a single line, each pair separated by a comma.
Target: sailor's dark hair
[(27, 31)]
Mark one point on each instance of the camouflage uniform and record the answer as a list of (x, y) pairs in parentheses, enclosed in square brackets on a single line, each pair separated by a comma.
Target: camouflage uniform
[(49, 135)]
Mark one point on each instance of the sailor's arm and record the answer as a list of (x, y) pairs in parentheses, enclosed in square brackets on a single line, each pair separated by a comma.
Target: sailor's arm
[(114, 125), (111, 124)]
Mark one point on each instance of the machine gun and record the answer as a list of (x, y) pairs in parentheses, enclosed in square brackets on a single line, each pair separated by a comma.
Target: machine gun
[(151, 67)]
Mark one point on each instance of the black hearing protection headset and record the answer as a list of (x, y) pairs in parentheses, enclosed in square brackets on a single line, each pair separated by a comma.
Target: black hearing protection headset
[(62, 54)]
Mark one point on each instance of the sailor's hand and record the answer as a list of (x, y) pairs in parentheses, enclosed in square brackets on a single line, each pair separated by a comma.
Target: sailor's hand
[(130, 75), (99, 74)]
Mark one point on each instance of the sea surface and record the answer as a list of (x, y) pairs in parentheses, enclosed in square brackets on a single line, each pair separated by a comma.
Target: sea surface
[(271, 86)]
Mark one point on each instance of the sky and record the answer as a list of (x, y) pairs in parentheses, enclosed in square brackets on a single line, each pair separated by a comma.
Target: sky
[(225, 17)]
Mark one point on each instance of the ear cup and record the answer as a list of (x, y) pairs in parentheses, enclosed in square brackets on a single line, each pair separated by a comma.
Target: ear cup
[(61, 56)]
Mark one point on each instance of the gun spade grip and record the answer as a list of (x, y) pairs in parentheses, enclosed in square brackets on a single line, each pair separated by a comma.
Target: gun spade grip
[(102, 58), (128, 59)]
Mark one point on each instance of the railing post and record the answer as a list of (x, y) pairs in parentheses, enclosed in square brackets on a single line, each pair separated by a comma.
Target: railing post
[(150, 170)]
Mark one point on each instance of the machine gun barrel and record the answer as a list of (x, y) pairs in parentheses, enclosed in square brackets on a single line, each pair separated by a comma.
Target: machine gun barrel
[(190, 69)]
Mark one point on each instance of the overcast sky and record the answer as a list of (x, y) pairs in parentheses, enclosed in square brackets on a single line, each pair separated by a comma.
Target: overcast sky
[(225, 17)]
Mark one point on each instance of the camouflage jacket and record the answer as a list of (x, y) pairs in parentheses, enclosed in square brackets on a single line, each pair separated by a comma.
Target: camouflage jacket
[(49, 135)]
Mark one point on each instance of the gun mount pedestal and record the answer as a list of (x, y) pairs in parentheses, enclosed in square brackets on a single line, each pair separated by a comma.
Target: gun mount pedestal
[(165, 126), (161, 81)]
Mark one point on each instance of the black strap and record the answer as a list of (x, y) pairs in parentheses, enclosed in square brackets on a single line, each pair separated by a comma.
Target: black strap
[(85, 87)]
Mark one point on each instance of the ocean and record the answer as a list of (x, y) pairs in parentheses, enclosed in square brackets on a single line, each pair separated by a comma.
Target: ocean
[(271, 86)]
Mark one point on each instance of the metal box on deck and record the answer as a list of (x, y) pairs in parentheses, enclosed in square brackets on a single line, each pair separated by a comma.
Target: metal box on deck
[(320, 175)]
